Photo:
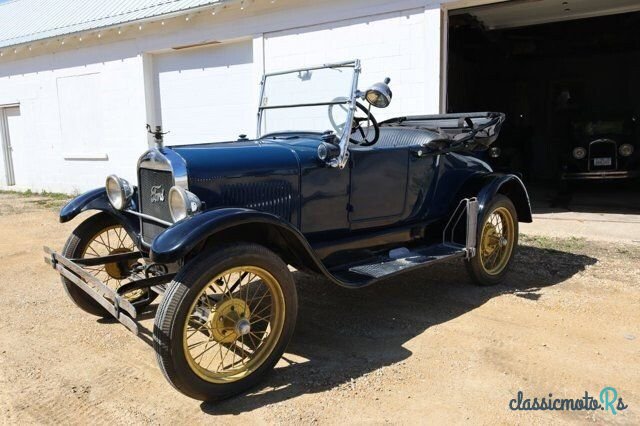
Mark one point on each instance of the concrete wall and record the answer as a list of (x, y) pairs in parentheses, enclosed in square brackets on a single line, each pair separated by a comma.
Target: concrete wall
[(109, 82)]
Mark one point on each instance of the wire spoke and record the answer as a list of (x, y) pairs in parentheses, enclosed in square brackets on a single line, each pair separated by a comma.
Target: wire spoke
[(108, 246), (233, 348), (197, 329), (121, 239), (90, 247), (266, 293), (203, 352), (238, 281), (213, 340), (254, 343), (195, 345), (253, 314)]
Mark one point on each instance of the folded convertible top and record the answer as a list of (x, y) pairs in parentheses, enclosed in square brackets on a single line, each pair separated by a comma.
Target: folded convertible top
[(480, 129)]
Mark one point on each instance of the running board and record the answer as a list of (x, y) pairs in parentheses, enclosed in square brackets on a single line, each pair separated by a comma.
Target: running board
[(463, 222), (411, 259)]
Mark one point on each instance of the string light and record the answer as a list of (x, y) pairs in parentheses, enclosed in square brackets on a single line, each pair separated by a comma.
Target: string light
[(80, 39), (242, 5), (99, 35), (162, 23), (119, 31), (213, 11), (140, 27)]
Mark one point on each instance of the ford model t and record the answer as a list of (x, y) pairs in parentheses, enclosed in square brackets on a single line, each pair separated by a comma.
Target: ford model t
[(324, 188), (600, 147)]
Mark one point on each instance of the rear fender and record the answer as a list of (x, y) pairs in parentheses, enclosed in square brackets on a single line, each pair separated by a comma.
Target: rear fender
[(485, 187), (96, 199)]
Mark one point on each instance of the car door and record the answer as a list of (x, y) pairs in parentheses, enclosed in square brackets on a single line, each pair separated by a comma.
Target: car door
[(378, 186)]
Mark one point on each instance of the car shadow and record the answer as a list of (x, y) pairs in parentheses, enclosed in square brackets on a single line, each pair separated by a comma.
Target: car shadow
[(344, 334)]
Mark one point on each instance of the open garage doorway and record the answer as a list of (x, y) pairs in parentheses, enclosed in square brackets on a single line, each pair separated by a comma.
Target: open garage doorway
[(566, 74)]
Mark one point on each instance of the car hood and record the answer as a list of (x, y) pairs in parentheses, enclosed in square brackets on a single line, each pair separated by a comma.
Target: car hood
[(248, 173), (236, 160)]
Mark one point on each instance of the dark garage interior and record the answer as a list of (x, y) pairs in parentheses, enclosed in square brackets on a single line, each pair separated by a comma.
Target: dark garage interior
[(562, 84)]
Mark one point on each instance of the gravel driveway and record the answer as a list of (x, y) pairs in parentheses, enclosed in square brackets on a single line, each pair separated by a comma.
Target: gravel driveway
[(428, 346)]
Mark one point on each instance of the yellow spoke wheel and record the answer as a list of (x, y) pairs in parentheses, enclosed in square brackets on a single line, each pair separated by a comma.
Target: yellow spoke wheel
[(225, 321), (97, 236), (109, 241), (496, 242), (234, 324)]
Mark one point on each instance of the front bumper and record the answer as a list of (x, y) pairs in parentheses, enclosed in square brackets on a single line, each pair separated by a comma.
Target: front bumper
[(622, 174), (114, 302)]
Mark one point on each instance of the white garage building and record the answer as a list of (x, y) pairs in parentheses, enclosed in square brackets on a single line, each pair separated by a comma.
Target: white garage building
[(79, 80)]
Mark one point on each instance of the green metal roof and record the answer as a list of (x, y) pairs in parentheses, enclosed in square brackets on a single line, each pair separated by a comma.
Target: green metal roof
[(26, 21)]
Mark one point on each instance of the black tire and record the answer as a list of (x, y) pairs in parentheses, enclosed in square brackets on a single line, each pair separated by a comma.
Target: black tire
[(477, 271), (75, 248), (181, 295)]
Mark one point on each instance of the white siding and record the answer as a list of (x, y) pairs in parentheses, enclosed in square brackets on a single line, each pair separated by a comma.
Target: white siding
[(82, 102), (206, 94), (70, 123), (391, 45)]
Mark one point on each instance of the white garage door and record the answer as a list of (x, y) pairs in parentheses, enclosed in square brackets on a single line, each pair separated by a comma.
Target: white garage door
[(207, 94), (403, 46)]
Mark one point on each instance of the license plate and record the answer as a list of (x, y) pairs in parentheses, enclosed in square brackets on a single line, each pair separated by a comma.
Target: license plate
[(603, 161)]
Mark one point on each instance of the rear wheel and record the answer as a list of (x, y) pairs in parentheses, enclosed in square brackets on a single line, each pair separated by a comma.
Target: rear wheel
[(102, 235), (496, 242), (225, 321)]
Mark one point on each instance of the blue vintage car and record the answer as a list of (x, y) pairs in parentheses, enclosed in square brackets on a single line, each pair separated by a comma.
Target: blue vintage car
[(214, 228)]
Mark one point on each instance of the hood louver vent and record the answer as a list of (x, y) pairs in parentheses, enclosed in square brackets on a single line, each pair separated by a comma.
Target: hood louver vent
[(272, 197)]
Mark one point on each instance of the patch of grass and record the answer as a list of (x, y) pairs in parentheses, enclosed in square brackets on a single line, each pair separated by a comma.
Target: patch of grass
[(554, 243), (44, 199), (29, 193), (55, 195), (631, 252), (580, 245)]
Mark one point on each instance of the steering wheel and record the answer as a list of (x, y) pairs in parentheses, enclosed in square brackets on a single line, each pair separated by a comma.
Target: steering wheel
[(363, 135)]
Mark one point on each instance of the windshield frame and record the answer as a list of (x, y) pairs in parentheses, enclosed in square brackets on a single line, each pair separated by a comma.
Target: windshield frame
[(349, 100)]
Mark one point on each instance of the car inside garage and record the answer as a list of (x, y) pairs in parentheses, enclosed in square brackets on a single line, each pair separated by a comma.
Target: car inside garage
[(565, 73)]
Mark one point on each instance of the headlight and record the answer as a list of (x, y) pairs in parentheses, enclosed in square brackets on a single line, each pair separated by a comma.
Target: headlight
[(494, 152), (379, 95), (625, 150), (119, 192), (579, 153), (182, 203)]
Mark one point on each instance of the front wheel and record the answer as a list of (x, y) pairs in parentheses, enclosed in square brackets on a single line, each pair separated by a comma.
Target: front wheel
[(496, 242), (225, 321), (98, 236)]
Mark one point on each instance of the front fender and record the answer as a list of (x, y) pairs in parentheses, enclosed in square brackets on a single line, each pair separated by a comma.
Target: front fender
[(485, 186), (183, 237), (96, 199)]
